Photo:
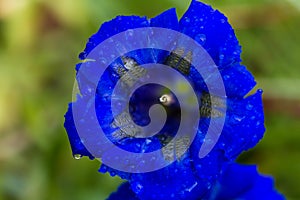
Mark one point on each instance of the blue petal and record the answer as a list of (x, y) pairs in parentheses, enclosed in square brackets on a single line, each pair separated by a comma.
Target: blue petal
[(244, 182), (211, 29), (244, 125), (167, 19), (75, 141), (124, 192), (238, 81), (115, 26), (177, 181)]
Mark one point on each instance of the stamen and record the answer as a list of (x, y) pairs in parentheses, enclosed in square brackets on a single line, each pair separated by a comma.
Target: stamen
[(122, 119), (126, 126), (211, 106), (166, 99), (176, 60), (133, 73), (177, 148)]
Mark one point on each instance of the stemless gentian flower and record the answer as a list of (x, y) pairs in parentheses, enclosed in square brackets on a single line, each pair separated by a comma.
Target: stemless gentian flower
[(188, 177)]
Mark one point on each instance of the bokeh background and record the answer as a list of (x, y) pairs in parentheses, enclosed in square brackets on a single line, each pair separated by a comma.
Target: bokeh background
[(39, 44)]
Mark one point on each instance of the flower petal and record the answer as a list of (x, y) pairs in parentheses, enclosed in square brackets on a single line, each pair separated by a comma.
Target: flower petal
[(244, 125), (211, 29), (167, 19), (244, 182), (124, 192), (177, 181), (110, 28), (238, 81), (76, 144)]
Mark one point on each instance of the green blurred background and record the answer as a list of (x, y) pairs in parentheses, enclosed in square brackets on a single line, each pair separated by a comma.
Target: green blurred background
[(39, 44)]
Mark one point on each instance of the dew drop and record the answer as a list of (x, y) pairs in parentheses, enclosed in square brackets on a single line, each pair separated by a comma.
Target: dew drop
[(191, 187), (129, 33), (103, 169), (199, 167), (77, 156), (132, 167), (153, 158), (221, 56), (138, 188), (187, 19), (138, 145), (249, 107), (222, 144), (226, 77), (148, 141), (102, 60), (106, 97), (238, 118), (254, 137), (201, 38), (112, 173)]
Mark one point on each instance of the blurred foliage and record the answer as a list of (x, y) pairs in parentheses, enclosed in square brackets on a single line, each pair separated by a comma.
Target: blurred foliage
[(39, 44)]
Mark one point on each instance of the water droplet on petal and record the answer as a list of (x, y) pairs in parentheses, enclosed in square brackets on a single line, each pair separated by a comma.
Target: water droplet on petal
[(260, 91), (191, 187), (137, 188), (112, 173), (138, 145), (223, 144), (77, 156), (199, 167), (249, 106), (129, 33), (153, 158), (226, 77), (187, 19), (201, 38), (238, 118), (221, 56), (148, 141)]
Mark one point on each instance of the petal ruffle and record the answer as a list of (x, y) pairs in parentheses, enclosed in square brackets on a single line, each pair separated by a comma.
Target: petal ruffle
[(238, 81), (176, 181), (244, 182), (115, 26), (76, 144), (211, 29), (244, 125), (167, 19)]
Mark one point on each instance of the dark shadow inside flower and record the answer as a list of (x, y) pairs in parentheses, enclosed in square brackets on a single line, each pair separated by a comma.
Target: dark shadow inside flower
[(150, 94), (125, 126)]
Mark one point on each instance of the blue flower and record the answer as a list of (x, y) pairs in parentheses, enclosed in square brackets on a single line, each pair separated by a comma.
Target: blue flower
[(189, 177)]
